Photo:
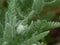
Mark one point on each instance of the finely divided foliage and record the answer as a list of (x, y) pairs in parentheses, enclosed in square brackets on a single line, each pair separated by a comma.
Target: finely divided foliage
[(19, 27)]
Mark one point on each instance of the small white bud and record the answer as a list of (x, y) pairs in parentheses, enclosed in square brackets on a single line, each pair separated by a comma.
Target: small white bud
[(21, 28)]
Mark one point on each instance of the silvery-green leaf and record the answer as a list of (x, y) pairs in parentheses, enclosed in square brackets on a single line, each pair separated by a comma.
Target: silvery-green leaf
[(37, 37), (38, 5), (8, 32)]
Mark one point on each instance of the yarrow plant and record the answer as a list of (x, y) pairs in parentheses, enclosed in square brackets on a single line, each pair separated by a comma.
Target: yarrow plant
[(19, 28)]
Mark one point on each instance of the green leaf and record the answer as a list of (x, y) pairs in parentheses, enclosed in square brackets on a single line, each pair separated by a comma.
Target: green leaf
[(38, 5), (40, 26), (53, 25), (8, 32), (1, 30), (34, 39), (49, 0)]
